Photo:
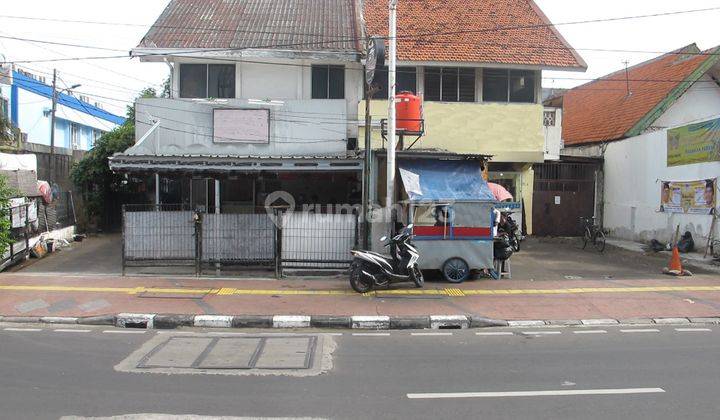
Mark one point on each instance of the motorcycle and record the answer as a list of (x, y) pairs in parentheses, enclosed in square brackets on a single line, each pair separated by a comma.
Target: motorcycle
[(509, 227), (371, 269)]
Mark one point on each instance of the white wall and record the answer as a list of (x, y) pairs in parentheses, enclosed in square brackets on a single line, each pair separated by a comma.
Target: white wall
[(553, 135), (634, 166)]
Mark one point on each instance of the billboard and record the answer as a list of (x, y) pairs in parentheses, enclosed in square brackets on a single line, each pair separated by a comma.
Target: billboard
[(691, 197), (694, 143)]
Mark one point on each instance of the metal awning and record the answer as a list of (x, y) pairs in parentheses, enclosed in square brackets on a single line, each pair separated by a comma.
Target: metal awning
[(190, 163), (444, 181)]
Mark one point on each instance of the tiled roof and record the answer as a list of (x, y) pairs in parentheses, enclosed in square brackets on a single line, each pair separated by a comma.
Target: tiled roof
[(603, 110), (466, 31), (308, 25)]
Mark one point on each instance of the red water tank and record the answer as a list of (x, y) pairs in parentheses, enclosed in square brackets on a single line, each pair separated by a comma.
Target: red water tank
[(408, 109)]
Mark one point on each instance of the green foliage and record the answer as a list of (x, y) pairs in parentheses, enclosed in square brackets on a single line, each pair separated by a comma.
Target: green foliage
[(6, 130), (92, 174), (6, 193)]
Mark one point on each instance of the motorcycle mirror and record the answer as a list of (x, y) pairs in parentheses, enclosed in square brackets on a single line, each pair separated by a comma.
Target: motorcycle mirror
[(383, 239)]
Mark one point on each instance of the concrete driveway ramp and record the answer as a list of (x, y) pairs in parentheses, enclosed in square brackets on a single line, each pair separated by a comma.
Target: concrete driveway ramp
[(301, 355)]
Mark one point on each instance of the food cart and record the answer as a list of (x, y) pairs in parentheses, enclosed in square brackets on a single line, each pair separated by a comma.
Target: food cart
[(451, 207)]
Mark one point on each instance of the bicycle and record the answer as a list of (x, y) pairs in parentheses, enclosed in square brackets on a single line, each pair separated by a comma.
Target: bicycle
[(592, 234)]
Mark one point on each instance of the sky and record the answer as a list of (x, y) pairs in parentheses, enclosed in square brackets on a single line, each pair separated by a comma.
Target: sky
[(116, 81)]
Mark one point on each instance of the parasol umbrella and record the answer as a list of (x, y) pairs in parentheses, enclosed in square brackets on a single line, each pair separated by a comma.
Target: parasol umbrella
[(500, 193)]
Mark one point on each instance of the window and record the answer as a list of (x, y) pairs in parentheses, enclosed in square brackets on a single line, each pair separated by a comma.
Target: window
[(328, 82), (450, 84), (406, 81), (500, 85), (96, 136), (207, 80), (549, 118), (75, 136)]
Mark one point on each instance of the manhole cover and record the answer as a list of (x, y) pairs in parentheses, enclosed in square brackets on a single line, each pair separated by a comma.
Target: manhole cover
[(232, 355)]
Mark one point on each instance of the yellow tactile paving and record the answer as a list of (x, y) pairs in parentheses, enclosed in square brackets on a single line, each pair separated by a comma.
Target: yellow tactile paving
[(452, 292)]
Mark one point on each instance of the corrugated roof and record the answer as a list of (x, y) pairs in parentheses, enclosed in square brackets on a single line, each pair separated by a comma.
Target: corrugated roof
[(303, 25), (470, 32), (604, 109)]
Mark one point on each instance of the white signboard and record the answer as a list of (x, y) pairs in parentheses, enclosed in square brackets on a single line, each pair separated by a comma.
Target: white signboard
[(241, 125)]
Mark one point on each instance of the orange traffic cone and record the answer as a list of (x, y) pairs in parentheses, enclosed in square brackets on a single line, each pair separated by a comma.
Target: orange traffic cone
[(675, 264)]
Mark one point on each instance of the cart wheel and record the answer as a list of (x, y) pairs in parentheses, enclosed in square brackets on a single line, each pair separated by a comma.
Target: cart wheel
[(456, 270)]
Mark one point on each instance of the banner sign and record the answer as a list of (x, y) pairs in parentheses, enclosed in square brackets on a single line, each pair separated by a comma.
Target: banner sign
[(694, 143), (693, 197)]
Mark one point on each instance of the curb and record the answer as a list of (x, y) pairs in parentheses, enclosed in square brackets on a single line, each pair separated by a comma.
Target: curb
[(371, 322)]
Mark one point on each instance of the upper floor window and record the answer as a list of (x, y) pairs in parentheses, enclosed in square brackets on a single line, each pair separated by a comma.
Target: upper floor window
[(207, 80), (328, 82), (502, 85), (405, 81), (549, 118), (450, 84)]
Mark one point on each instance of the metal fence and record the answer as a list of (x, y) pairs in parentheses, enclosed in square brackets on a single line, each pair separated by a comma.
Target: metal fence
[(168, 235)]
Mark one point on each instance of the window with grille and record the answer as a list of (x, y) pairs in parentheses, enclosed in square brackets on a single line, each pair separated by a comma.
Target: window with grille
[(406, 81), (549, 118), (449, 84), (75, 136)]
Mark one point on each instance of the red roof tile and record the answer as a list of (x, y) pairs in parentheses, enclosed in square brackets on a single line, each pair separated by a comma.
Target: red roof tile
[(469, 32), (603, 110)]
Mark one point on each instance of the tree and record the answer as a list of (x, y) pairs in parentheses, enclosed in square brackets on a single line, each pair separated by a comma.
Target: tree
[(6, 193), (92, 174), (7, 130)]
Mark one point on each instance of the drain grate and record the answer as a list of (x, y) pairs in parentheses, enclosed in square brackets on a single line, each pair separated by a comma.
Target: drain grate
[(263, 353)]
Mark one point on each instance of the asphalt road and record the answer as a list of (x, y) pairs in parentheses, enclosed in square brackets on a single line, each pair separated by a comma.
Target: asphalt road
[(659, 372)]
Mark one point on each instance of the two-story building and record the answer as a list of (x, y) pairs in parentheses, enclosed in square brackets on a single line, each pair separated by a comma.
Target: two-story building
[(264, 98), (478, 67)]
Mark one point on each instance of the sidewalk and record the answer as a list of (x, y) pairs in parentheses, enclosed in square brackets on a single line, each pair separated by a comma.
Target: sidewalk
[(38, 295)]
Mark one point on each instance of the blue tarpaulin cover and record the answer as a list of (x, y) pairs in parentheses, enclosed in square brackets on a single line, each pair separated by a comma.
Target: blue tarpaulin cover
[(444, 180)]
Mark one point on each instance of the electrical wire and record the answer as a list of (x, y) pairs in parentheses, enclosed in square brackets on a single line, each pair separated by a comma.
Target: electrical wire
[(405, 36)]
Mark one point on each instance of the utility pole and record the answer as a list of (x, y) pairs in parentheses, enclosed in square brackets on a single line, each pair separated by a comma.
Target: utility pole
[(627, 77), (51, 166), (392, 67)]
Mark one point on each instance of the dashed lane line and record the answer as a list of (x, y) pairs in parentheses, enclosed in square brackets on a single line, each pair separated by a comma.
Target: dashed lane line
[(542, 332), (124, 331), (23, 329), (693, 330), (641, 330), (494, 333), (371, 334), (449, 292), (71, 330), (590, 332), (431, 334), (551, 393)]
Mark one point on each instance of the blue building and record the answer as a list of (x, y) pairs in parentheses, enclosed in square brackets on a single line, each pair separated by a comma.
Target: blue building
[(27, 100)]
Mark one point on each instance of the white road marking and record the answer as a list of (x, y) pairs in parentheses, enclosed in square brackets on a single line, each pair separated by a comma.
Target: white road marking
[(371, 334), (124, 331), (71, 330), (542, 332), (22, 329), (495, 333), (693, 329), (333, 334), (640, 330), (430, 333), (553, 393), (590, 332)]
